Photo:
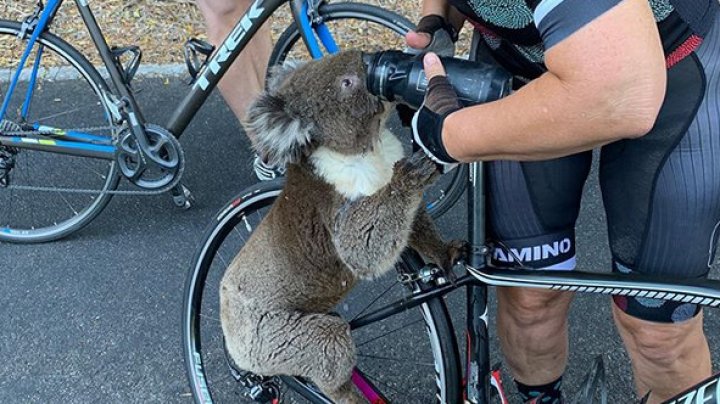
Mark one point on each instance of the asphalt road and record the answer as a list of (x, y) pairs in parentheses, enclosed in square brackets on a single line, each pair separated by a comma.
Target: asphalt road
[(96, 317)]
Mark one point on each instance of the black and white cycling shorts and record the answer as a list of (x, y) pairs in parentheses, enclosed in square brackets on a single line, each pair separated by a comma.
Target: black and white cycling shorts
[(661, 193)]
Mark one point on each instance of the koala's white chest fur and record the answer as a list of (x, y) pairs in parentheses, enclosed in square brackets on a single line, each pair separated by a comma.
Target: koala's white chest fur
[(359, 175)]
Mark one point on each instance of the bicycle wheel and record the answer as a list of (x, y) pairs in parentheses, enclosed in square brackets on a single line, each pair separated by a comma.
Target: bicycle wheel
[(410, 357), (36, 199), (443, 194), (369, 28)]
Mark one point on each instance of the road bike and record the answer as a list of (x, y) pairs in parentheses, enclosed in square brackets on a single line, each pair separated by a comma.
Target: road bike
[(385, 315), (68, 134)]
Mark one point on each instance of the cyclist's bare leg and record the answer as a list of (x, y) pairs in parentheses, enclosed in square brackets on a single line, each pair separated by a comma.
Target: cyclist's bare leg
[(245, 78), (533, 331), (666, 357)]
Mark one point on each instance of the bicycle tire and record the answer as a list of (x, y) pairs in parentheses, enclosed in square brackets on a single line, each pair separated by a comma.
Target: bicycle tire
[(234, 215), (443, 195), (35, 203), (449, 195)]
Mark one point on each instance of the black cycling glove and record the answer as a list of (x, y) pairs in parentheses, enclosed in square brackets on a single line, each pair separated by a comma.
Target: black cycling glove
[(440, 101), (443, 35)]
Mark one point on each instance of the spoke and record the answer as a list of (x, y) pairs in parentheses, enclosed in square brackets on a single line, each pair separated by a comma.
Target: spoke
[(12, 63), (222, 258), (374, 300), (242, 237), (67, 202), (45, 118), (403, 394), (389, 332), (86, 163), (217, 320), (386, 358)]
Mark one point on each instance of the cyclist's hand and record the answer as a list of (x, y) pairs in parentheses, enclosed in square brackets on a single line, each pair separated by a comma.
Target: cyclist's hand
[(440, 101), (433, 34)]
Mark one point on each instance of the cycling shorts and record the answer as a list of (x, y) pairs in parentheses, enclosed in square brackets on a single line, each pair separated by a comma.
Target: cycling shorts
[(661, 192)]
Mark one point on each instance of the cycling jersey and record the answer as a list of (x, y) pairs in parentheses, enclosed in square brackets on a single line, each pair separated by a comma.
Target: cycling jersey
[(519, 31)]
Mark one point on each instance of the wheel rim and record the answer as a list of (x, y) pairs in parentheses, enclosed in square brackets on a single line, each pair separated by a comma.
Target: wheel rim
[(383, 348), (33, 215)]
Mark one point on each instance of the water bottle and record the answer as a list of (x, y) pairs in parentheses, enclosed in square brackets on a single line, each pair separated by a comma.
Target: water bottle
[(397, 76)]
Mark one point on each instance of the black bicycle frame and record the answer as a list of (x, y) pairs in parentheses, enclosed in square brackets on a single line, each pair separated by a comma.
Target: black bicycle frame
[(258, 12), (217, 65)]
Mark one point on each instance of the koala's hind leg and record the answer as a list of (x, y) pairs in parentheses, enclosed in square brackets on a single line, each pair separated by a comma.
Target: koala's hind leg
[(315, 346)]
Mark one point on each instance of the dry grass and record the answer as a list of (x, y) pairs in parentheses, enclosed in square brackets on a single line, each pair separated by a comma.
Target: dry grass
[(161, 27)]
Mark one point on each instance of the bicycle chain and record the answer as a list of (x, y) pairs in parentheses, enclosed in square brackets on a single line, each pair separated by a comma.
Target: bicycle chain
[(162, 190)]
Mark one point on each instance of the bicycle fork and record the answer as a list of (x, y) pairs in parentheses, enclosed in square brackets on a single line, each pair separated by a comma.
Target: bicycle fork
[(478, 356)]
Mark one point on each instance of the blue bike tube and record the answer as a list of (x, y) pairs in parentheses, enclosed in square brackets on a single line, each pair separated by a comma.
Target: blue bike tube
[(73, 135), (307, 33), (326, 38), (31, 85), (478, 355), (47, 13), (105, 152)]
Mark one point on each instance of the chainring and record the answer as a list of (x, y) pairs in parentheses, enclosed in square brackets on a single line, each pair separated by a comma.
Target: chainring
[(163, 167)]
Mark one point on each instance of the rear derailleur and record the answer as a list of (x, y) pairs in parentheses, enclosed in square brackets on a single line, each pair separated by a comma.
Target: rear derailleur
[(7, 162), (7, 154)]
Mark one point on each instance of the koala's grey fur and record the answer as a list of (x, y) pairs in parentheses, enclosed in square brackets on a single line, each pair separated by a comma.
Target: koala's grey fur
[(333, 224)]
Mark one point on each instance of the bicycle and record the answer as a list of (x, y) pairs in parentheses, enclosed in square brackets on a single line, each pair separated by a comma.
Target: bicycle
[(383, 316), (416, 305), (59, 168)]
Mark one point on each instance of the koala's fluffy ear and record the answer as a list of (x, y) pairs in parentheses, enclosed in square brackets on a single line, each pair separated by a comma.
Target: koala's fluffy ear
[(279, 73), (280, 136)]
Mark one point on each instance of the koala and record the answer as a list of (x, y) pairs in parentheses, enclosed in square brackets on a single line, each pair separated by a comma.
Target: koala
[(350, 205)]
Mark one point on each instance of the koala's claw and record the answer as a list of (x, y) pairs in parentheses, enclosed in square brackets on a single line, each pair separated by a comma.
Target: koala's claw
[(445, 260), (457, 251), (416, 171)]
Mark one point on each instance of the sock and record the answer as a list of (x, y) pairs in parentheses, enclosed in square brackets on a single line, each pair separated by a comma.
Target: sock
[(549, 393)]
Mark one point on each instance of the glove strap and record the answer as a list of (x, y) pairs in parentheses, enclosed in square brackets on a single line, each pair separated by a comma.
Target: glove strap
[(432, 124)]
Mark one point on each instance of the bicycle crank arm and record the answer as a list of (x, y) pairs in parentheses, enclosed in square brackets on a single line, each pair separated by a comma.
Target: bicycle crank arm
[(79, 149)]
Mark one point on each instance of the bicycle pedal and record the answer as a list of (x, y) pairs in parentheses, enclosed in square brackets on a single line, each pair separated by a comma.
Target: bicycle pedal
[(182, 197), (130, 67), (194, 48)]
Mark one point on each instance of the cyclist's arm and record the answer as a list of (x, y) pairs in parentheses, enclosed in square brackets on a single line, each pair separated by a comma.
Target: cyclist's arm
[(605, 81)]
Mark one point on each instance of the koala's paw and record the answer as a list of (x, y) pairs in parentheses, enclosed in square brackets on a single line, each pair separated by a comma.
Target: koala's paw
[(416, 171), (456, 251)]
